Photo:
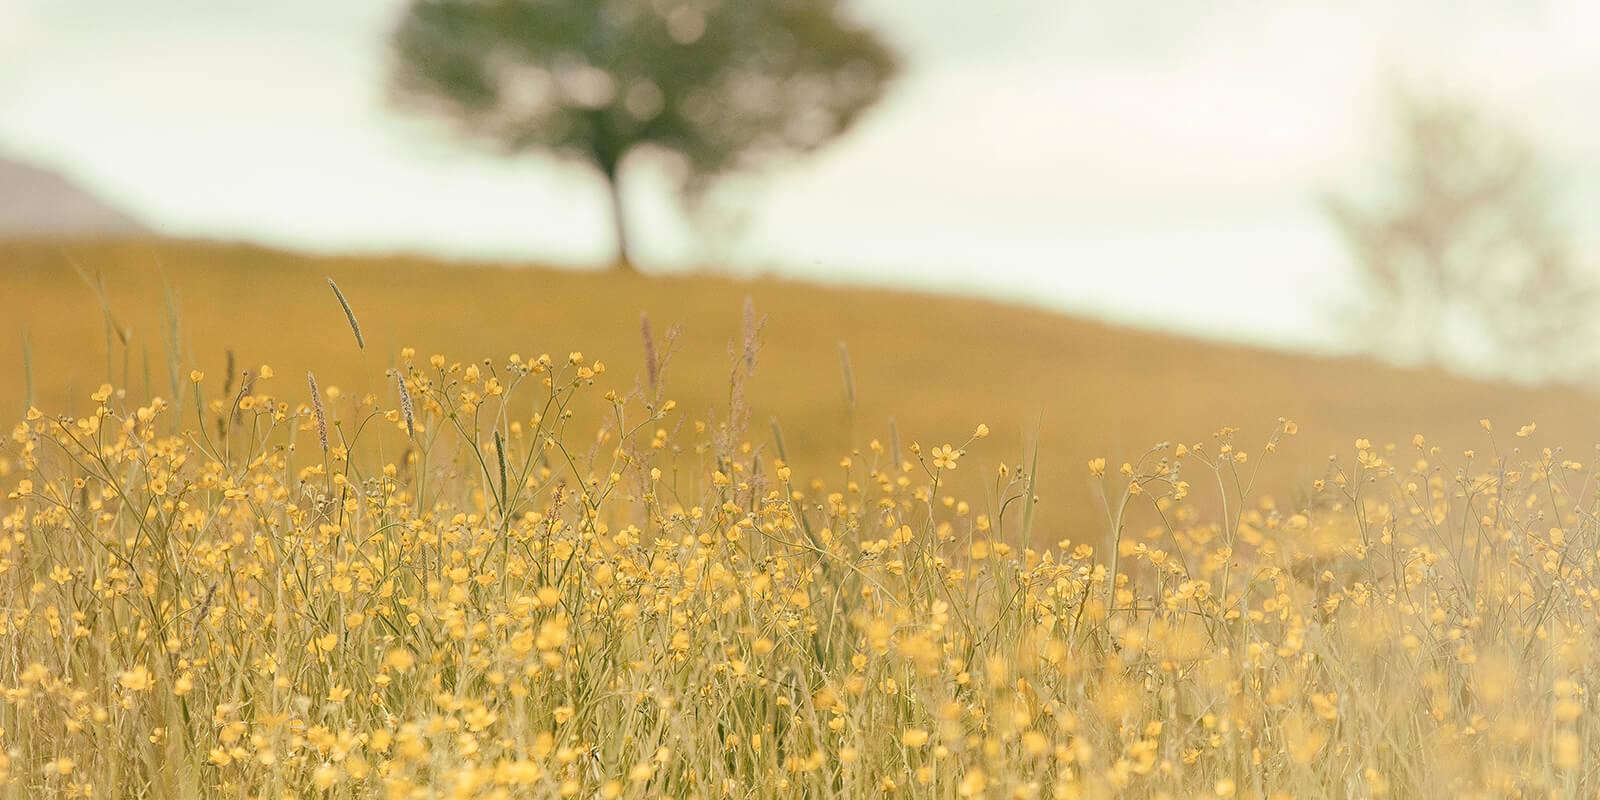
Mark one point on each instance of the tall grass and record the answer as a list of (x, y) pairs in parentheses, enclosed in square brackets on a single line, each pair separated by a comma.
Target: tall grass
[(526, 577)]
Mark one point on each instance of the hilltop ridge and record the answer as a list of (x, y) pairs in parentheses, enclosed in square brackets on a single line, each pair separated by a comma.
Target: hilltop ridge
[(39, 202)]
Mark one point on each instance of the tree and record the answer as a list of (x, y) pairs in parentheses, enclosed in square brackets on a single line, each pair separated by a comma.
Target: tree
[(1467, 265), (720, 84)]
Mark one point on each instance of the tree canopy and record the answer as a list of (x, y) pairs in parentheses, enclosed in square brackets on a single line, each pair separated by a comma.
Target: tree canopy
[(721, 84)]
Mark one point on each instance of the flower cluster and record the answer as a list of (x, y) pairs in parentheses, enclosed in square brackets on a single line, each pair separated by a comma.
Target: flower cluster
[(510, 579)]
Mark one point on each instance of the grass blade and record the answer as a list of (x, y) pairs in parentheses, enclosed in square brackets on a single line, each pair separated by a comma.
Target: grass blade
[(349, 314)]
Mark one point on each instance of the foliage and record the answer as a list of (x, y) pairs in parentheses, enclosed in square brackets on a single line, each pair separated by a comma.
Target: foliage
[(722, 85)]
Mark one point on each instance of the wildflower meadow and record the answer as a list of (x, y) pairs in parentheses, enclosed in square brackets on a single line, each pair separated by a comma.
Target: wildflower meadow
[(532, 577)]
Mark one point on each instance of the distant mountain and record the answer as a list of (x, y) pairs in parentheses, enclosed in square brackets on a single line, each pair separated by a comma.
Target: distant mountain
[(38, 202)]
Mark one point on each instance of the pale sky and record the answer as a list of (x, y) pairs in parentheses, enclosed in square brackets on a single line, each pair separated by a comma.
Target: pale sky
[(1146, 161)]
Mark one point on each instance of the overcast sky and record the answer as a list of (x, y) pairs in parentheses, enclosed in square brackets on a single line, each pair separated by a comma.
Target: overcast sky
[(1151, 161)]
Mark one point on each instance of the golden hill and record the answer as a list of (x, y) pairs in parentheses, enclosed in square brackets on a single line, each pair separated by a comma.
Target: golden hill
[(937, 365)]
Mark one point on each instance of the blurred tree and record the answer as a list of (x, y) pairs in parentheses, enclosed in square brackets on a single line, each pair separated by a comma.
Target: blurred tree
[(1466, 265), (722, 84)]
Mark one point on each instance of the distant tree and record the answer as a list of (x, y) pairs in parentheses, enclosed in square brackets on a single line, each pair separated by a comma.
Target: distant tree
[(722, 84), (1466, 263)]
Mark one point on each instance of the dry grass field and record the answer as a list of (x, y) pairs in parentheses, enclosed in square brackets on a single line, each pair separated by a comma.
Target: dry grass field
[(935, 365), (536, 565)]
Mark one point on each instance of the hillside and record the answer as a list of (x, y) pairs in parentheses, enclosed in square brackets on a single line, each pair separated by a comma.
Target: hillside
[(39, 202), (937, 365)]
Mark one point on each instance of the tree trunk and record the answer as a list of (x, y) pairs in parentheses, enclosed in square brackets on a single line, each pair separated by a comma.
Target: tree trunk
[(619, 219)]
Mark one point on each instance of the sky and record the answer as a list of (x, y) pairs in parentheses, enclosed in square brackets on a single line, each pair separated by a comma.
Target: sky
[(1153, 162)]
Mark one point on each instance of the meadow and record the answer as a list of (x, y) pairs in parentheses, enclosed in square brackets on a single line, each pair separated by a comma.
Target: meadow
[(491, 535), (921, 367)]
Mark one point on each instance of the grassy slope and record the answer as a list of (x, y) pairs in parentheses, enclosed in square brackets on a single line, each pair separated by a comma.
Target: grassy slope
[(939, 365)]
